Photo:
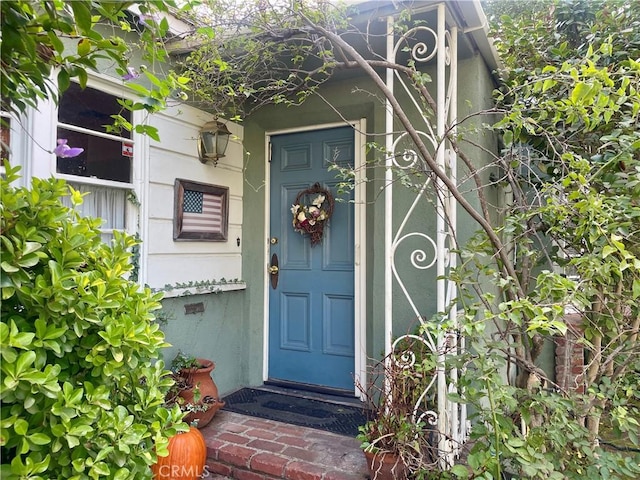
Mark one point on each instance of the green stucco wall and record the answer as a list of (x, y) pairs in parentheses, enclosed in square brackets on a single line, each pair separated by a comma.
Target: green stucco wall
[(352, 106), (217, 334), (351, 101)]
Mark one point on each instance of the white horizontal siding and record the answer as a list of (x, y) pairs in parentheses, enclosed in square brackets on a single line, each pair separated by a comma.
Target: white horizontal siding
[(169, 262), (185, 268), (162, 242), (167, 166)]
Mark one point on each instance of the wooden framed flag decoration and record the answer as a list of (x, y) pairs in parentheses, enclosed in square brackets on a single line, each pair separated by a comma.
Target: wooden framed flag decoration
[(201, 212)]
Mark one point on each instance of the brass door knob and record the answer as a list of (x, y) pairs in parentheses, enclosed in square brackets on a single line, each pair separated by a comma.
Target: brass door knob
[(274, 271)]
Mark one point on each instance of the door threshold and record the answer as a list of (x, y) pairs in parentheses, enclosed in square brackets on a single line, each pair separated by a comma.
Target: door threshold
[(314, 392)]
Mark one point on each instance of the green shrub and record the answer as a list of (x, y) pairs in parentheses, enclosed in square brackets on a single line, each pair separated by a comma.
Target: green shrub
[(82, 387)]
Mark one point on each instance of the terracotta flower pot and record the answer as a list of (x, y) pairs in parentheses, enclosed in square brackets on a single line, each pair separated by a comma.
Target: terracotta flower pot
[(201, 379), (385, 466)]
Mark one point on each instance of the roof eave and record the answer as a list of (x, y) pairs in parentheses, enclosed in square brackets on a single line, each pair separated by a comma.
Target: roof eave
[(476, 26)]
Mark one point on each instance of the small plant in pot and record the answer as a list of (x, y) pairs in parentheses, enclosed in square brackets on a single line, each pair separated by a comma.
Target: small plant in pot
[(194, 390), (386, 441), (399, 437)]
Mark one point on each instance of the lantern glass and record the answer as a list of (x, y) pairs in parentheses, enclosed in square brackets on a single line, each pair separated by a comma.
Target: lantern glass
[(214, 139), (222, 140), (208, 143)]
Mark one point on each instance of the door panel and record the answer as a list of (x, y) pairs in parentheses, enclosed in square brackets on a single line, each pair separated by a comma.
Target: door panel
[(337, 333), (295, 322), (311, 312)]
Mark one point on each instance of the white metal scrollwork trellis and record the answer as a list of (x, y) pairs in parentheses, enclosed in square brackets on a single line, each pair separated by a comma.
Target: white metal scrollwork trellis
[(449, 417)]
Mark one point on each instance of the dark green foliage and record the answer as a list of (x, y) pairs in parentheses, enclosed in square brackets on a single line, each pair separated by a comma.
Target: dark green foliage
[(41, 39), (570, 104), (259, 54), (184, 361), (82, 390), (555, 444)]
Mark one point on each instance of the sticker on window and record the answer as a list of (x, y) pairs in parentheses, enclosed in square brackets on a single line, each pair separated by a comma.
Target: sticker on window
[(127, 149)]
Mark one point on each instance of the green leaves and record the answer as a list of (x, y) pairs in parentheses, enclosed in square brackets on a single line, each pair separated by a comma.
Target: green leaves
[(82, 389), (570, 105), (33, 48), (82, 16), (582, 93)]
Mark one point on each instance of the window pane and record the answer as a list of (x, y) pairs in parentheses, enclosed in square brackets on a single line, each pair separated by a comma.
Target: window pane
[(102, 158), (90, 108)]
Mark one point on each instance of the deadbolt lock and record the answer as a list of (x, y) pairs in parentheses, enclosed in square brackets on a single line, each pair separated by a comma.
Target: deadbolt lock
[(273, 240)]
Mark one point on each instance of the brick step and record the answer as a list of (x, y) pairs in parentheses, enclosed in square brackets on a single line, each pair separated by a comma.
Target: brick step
[(249, 448)]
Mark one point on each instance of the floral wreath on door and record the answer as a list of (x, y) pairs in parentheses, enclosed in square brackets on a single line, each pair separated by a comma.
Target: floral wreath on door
[(310, 217)]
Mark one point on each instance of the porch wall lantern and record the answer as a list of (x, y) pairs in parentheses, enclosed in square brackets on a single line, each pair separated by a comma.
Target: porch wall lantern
[(212, 141)]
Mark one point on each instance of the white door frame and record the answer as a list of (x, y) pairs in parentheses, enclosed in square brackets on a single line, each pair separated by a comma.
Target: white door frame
[(360, 304)]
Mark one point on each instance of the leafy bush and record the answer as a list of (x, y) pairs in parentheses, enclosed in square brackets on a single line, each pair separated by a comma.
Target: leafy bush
[(555, 445), (82, 387)]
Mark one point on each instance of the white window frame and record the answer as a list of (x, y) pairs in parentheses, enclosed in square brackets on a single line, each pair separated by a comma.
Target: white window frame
[(116, 88)]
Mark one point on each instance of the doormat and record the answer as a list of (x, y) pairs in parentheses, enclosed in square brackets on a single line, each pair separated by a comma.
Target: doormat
[(305, 412)]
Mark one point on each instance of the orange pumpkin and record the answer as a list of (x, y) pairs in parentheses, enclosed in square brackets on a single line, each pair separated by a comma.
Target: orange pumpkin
[(186, 459)]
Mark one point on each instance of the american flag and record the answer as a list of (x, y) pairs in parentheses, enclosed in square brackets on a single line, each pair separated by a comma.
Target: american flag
[(202, 212)]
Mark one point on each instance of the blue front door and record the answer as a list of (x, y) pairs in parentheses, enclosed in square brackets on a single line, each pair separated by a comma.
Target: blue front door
[(311, 309)]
